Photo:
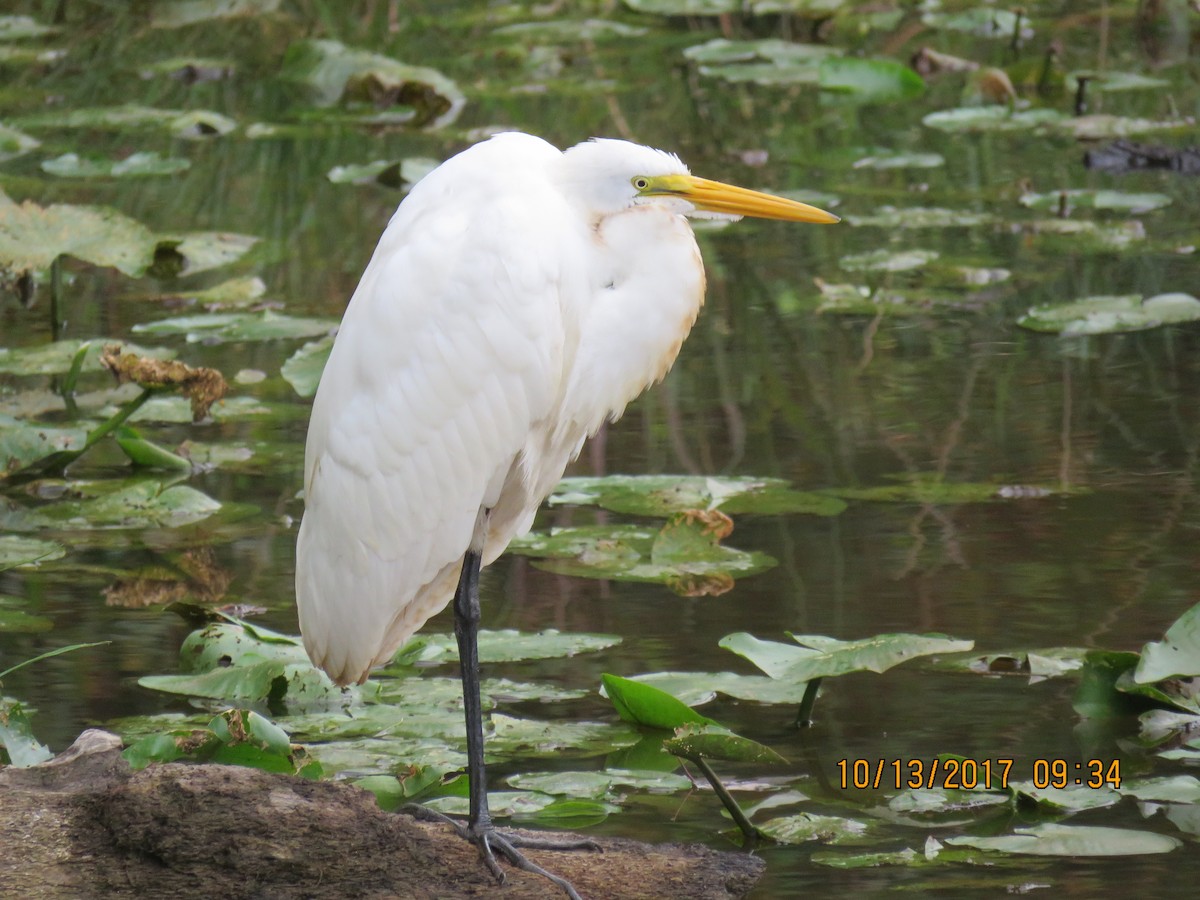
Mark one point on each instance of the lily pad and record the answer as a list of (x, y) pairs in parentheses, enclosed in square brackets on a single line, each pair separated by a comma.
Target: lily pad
[(199, 251), (806, 827), (823, 657), (400, 173), (664, 495), (58, 357), (217, 328), (1102, 126), (16, 550), (337, 72), (696, 688), (982, 21), (181, 123), (16, 28), (869, 80), (1085, 234), (303, 369), (1124, 201), (644, 704), (898, 160), (934, 491), (888, 260), (990, 118), (1109, 82), (546, 740), (1072, 840), (180, 13), (23, 443), (1176, 655), (1167, 789), (14, 143), (1112, 314), (683, 7), (920, 217), (136, 504), (72, 165), (766, 62), (571, 30), (20, 747), (506, 645)]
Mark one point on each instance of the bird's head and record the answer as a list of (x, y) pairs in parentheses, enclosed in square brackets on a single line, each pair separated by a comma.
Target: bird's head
[(607, 176)]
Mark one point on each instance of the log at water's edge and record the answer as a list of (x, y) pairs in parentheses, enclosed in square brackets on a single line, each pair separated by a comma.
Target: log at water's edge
[(85, 825)]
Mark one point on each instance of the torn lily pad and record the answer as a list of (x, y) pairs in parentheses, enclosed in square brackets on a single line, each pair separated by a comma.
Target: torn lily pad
[(400, 173), (336, 72), (665, 495), (1112, 314), (571, 30)]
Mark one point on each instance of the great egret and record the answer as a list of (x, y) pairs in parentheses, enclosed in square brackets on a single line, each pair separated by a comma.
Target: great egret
[(519, 297)]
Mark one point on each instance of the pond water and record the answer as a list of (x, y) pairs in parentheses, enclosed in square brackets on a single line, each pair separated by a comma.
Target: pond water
[(923, 377)]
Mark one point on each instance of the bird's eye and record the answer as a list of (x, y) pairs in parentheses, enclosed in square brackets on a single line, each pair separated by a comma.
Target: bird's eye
[(641, 182)]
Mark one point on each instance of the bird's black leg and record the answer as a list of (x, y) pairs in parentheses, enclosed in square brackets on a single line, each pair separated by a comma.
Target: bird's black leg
[(479, 829)]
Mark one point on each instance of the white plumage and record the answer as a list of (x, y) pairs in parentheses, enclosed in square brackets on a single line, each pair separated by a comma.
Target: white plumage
[(519, 297)]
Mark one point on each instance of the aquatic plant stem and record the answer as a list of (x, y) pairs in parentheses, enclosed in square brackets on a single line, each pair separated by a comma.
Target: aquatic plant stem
[(751, 833)]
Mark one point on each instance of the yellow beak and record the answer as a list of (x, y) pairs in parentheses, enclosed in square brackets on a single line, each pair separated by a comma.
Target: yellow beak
[(716, 196)]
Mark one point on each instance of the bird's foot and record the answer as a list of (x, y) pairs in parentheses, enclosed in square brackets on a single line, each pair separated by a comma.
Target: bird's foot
[(490, 841)]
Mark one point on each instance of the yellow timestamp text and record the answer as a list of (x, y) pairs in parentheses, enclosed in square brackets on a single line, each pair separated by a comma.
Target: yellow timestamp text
[(959, 773)]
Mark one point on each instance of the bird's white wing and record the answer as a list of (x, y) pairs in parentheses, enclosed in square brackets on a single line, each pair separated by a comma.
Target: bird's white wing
[(450, 351)]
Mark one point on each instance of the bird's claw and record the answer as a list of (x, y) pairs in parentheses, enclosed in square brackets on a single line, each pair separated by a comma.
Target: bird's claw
[(489, 841)]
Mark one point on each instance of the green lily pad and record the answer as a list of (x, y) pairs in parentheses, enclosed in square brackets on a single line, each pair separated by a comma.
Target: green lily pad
[(16, 621), (708, 740), (136, 504), (983, 21), (869, 80), (181, 123), (71, 165), (400, 173), (683, 7), (234, 293), (919, 217), (1167, 789), (692, 568), (1085, 234), (897, 160), (1102, 126), (23, 443), (505, 645), (336, 72), (20, 747), (32, 237), (1087, 198), (806, 827), (888, 260), (1176, 655), (180, 13), (216, 328), (17, 28), (696, 688), (933, 491), (555, 30), (766, 62), (57, 358), (546, 740), (302, 370), (1042, 663), (644, 704), (14, 143), (824, 657), (16, 550), (664, 495), (1112, 314), (1109, 82), (923, 801), (990, 118), (1075, 798), (1072, 840)]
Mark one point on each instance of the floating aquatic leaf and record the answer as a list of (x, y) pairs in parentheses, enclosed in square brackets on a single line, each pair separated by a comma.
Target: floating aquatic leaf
[(20, 747), (981, 21), (644, 704), (72, 165), (897, 160), (906, 857), (766, 62), (337, 72), (23, 443), (16, 621), (303, 369), (805, 827), (190, 123), (129, 504), (1097, 199), (683, 7), (932, 490), (16, 28), (1176, 655), (1110, 82), (1086, 234), (57, 358), (506, 645), (1167, 789), (919, 217), (14, 143), (887, 260), (179, 410), (199, 251), (541, 739), (235, 293), (32, 237), (22, 551), (1072, 840), (990, 118), (696, 688), (215, 328), (869, 80), (1042, 663), (663, 495), (179, 13), (190, 69), (708, 740), (1112, 314), (627, 553), (922, 801), (401, 173), (1101, 126), (1074, 798), (823, 657), (571, 30)]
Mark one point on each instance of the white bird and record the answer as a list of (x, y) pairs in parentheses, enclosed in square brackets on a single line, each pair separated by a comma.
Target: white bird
[(519, 298)]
